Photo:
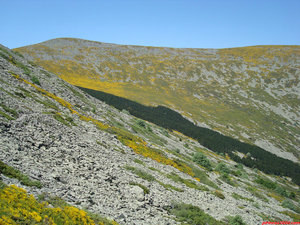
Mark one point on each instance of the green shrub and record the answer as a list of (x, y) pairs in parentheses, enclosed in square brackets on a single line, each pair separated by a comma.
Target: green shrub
[(222, 168), (226, 178), (203, 177), (240, 173), (256, 193), (280, 190), (19, 54), (292, 195), (240, 166), (266, 183), (35, 80), (70, 120), (141, 123), (236, 220), (189, 214), (142, 174), (202, 160)]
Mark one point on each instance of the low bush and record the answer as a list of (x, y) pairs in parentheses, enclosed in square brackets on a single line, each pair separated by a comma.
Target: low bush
[(257, 194), (219, 194), (17, 207), (235, 220), (202, 160), (189, 214), (266, 183), (226, 178), (222, 168), (35, 80), (141, 123), (280, 190), (203, 178), (240, 173)]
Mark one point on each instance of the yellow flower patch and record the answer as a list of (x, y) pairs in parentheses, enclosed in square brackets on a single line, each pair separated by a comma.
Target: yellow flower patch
[(16, 207)]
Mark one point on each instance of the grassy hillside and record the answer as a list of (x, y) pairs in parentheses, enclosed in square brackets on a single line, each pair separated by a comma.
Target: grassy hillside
[(249, 93)]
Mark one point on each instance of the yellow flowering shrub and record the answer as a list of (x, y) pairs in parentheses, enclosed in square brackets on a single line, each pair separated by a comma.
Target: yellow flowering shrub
[(17, 207), (139, 146), (46, 93)]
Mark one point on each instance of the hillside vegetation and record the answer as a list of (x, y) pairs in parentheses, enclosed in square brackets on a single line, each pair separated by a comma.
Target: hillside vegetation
[(80, 159), (249, 93)]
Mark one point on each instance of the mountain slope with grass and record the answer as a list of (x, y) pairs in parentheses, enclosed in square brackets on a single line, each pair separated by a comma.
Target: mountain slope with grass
[(67, 157), (248, 93)]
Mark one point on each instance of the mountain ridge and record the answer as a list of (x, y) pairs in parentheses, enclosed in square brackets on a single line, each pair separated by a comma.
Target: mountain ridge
[(153, 46)]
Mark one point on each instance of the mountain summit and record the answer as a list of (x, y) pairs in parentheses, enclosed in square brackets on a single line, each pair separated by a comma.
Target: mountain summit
[(249, 93)]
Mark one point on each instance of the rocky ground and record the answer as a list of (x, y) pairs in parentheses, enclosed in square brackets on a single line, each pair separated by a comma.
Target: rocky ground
[(86, 166)]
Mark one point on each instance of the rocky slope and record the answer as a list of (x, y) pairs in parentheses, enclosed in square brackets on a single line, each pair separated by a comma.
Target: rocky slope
[(105, 160), (250, 93)]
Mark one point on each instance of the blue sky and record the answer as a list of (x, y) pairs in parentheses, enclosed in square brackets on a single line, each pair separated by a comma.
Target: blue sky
[(170, 23)]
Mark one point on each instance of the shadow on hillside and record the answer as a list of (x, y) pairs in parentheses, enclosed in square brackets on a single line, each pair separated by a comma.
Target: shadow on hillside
[(170, 119)]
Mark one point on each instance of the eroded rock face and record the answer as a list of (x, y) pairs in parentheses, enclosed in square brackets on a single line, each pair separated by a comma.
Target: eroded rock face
[(85, 165)]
